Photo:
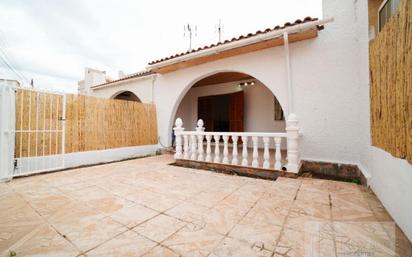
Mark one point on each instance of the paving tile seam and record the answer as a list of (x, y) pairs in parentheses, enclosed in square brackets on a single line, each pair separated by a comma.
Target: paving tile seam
[(50, 224), (226, 235), (277, 241)]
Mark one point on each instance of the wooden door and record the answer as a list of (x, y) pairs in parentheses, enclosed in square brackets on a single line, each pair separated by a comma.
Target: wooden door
[(205, 110), (236, 112)]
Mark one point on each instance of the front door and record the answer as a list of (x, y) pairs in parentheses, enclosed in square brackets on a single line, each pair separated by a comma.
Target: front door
[(222, 113)]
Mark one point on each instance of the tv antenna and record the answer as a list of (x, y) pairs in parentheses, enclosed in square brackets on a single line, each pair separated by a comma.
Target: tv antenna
[(189, 31), (219, 30)]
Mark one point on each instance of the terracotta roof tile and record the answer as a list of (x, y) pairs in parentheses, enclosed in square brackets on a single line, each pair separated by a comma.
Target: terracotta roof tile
[(278, 27)]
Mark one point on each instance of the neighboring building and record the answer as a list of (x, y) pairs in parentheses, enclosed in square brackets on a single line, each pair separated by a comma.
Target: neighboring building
[(320, 74)]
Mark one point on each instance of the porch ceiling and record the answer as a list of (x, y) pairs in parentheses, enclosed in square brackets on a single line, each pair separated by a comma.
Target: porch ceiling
[(222, 77)]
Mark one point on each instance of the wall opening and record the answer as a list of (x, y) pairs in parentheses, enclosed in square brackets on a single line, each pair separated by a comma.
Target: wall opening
[(127, 96)]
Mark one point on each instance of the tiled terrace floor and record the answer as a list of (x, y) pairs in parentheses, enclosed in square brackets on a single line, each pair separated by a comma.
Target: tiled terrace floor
[(144, 207)]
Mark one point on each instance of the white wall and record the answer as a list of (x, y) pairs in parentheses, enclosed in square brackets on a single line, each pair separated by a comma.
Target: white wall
[(392, 182), (390, 177), (258, 106), (141, 87)]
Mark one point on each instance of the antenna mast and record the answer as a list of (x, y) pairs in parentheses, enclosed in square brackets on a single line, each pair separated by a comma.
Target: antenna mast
[(219, 30), (190, 32)]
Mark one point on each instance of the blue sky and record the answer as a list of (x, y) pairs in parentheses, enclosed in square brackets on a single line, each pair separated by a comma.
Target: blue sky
[(52, 41)]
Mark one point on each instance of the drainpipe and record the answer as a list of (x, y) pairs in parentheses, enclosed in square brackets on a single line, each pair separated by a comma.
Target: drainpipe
[(153, 84), (288, 72), (292, 127)]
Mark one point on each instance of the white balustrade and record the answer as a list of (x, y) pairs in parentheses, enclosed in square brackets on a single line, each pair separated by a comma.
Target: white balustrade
[(217, 151), (208, 148), (193, 145), (225, 159), (185, 146), (190, 145), (200, 136), (178, 129), (278, 156), (245, 162), (235, 161), (255, 154), (266, 153)]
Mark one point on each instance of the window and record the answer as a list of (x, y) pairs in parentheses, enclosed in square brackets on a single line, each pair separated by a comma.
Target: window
[(386, 10)]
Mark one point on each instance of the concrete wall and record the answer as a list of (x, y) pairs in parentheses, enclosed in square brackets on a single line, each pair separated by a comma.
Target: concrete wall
[(258, 106)]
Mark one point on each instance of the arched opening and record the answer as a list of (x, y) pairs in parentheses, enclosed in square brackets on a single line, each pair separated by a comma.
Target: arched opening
[(231, 101), (127, 96)]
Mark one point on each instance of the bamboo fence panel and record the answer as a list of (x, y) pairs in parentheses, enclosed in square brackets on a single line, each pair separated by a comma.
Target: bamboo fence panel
[(390, 56), (91, 123), (97, 124)]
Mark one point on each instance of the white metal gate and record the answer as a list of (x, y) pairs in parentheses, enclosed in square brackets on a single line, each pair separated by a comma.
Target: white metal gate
[(38, 133)]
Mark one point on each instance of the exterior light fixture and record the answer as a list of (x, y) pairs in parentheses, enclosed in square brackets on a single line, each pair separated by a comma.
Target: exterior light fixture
[(245, 84)]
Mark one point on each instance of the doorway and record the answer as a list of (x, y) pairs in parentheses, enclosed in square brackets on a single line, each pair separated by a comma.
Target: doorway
[(222, 113)]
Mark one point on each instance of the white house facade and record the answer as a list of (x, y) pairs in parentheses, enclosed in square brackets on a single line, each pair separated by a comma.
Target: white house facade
[(322, 79)]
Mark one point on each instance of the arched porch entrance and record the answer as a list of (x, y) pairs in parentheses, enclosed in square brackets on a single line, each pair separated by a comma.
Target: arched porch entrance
[(232, 102)]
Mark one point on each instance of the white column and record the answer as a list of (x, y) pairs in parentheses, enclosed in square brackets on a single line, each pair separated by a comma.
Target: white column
[(185, 147), (278, 156), (244, 151), (178, 129), (217, 150), (292, 131), (208, 148), (199, 130), (225, 149), (255, 155), (266, 153), (235, 160)]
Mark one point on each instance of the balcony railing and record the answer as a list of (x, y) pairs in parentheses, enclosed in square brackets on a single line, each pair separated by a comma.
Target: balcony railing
[(191, 145)]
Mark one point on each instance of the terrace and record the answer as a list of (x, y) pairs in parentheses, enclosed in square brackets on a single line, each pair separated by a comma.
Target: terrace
[(146, 207)]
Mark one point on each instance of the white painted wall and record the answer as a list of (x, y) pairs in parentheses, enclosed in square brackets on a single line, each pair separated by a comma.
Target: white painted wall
[(390, 177), (141, 87), (258, 106)]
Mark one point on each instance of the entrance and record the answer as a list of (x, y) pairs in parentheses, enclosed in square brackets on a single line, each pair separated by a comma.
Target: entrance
[(222, 113)]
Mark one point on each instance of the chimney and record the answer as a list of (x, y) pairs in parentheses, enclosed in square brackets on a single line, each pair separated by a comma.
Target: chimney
[(92, 77)]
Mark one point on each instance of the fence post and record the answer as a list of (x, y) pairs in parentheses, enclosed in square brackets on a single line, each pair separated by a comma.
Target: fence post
[(292, 131), (178, 129), (7, 128)]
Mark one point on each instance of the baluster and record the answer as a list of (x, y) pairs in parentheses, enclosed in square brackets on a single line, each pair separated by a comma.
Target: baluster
[(225, 149), (278, 155), (217, 150), (185, 147), (200, 156), (208, 148), (193, 150), (199, 131), (235, 160), (255, 155), (266, 153), (244, 151), (178, 129)]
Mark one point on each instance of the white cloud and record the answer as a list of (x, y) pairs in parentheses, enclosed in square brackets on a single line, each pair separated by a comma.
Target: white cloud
[(52, 41)]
